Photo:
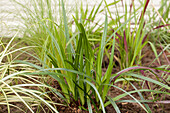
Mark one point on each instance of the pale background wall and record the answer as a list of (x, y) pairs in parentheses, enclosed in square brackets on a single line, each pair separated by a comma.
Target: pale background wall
[(7, 20)]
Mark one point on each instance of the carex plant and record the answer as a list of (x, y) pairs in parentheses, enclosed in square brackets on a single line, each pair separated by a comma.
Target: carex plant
[(131, 38), (15, 85), (72, 59), (75, 65)]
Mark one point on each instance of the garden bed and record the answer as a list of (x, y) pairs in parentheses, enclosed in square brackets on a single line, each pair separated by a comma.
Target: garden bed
[(117, 66)]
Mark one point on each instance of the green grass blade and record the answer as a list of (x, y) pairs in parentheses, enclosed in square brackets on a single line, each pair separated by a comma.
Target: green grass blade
[(17, 95), (127, 93), (142, 98), (101, 53), (101, 101), (149, 80), (89, 106), (66, 31), (114, 105)]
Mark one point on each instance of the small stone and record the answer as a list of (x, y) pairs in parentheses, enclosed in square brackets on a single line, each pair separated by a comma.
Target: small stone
[(79, 110), (92, 106)]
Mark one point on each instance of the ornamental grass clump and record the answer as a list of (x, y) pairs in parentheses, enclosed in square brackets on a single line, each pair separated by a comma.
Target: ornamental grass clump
[(18, 90), (133, 36)]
